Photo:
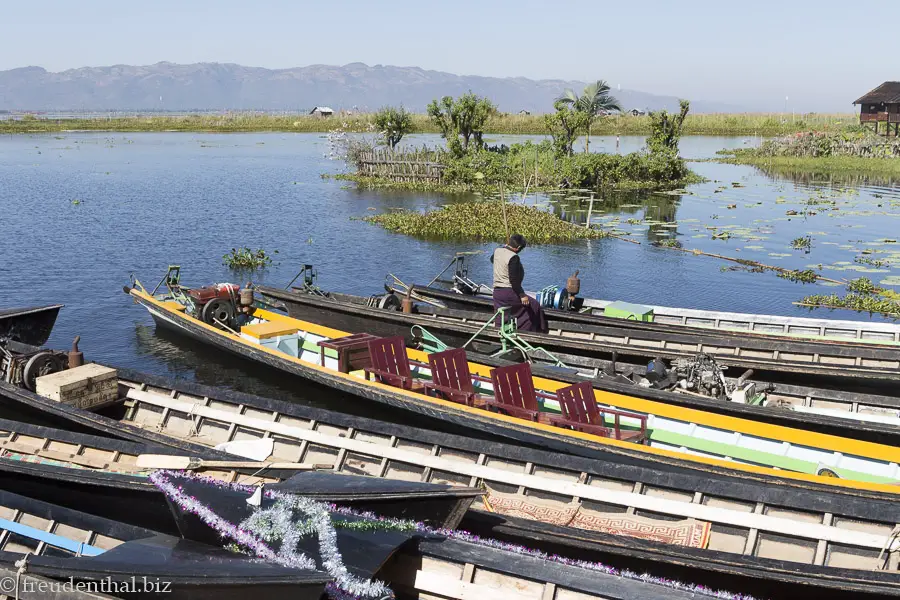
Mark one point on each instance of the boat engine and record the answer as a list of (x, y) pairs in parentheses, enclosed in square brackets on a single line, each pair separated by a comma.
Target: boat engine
[(21, 364), (562, 298), (389, 301), (701, 374), (217, 304)]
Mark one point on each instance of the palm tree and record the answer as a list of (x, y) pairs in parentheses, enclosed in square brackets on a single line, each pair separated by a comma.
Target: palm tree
[(594, 100)]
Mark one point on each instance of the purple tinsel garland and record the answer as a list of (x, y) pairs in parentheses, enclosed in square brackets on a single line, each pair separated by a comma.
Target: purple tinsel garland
[(159, 479)]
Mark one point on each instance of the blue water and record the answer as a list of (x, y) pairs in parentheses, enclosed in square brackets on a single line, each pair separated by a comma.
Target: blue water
[(80, 211)]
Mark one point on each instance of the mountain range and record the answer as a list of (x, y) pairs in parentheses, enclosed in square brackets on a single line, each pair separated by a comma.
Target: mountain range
[(168, 86)]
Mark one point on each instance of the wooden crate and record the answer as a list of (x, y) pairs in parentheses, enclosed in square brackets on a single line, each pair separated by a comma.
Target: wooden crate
[(88, 386)]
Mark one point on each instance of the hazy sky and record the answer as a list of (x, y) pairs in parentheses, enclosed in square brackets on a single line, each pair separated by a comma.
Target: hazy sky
[(821, 54)]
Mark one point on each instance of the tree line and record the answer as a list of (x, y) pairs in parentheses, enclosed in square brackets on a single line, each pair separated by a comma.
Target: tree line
[(462, 121)]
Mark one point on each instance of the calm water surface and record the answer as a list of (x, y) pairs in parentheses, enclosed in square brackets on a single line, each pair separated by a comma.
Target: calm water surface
[(82, 211)]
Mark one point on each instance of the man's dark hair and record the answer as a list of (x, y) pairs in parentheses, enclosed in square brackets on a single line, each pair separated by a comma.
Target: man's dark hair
[(517, 241)]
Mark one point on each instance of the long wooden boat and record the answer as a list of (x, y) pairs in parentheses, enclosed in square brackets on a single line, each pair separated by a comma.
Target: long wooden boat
[(675, 434), (425, 563), (781, 360), (28, 325), (70, 468), (860, 415), (97, 476), (753, 533), (65, 545), (459, 292)]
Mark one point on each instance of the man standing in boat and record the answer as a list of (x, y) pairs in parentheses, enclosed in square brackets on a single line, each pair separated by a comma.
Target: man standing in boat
[(508, 291)]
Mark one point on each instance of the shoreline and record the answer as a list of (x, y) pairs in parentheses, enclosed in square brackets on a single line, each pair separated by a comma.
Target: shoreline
[(823, 164), (718, 124)]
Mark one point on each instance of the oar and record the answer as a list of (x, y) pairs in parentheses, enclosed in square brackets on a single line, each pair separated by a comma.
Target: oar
[(189, 463)]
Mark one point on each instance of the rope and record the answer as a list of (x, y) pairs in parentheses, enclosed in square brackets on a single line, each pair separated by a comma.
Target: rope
[(21, 567), (887, 542)]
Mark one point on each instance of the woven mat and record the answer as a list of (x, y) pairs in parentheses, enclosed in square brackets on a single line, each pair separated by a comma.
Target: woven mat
[(689, 532), (536, 509)]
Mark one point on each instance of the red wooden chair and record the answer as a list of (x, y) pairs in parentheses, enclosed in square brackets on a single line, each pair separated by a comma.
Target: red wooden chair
[(581, 413), (450, 376), (514, 392), (390, 363)]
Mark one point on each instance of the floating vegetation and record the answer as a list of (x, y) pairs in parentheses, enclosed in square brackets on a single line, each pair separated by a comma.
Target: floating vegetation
[(245, 258), (858, 302), (802, 243), (863, 285), (875, 262), (485, 220), (668, 243), (805, 276)]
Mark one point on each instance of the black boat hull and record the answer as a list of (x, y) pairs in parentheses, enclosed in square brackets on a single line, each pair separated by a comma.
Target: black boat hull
[(148, 563), (29, 325)]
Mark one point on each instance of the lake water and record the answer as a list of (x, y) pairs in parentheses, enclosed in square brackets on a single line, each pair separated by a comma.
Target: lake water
[(80, 211)]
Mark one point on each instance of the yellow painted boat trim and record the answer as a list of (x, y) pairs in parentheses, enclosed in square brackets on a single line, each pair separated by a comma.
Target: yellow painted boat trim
[(712, 420), (267, 330)]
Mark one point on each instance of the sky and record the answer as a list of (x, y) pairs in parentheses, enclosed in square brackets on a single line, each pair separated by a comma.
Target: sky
[(820, 55)]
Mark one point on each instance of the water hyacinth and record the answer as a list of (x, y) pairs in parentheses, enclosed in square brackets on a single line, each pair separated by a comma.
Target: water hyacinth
[(804, 276), (245, 258), (483, 221), (858, 302)]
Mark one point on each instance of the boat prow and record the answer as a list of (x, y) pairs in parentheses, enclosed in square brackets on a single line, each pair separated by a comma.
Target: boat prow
[(30, 326)]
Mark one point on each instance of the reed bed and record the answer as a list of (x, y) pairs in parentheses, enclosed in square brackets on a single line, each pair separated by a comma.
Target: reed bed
[(761, 124)]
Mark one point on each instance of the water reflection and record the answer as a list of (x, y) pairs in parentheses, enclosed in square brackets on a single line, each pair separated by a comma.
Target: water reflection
[(656, 210), (813, 178)]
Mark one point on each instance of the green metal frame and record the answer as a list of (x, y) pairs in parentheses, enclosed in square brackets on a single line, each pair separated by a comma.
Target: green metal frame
[(509, 338)]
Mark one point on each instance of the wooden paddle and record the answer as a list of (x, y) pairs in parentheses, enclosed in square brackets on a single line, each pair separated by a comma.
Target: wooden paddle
[(177, 463)]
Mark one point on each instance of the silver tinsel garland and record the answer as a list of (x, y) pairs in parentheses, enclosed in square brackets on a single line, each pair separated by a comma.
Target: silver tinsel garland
[(278, 522), (385, 523)]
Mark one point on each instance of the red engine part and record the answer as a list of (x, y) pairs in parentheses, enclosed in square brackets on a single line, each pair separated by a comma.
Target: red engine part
[(220, 290)]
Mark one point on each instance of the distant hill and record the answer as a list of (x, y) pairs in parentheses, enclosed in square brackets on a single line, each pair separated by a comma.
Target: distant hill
[(214, 86)]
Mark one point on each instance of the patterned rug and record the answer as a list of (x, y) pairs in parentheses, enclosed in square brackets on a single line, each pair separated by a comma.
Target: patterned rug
[(536, 509), (689, 532)]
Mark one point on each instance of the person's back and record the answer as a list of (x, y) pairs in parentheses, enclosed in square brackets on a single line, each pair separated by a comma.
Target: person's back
[(509, 275), (508, 271)]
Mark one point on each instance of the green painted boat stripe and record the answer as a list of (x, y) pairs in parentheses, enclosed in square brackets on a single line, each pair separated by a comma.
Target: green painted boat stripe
[(757, 457), (312, 347)]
